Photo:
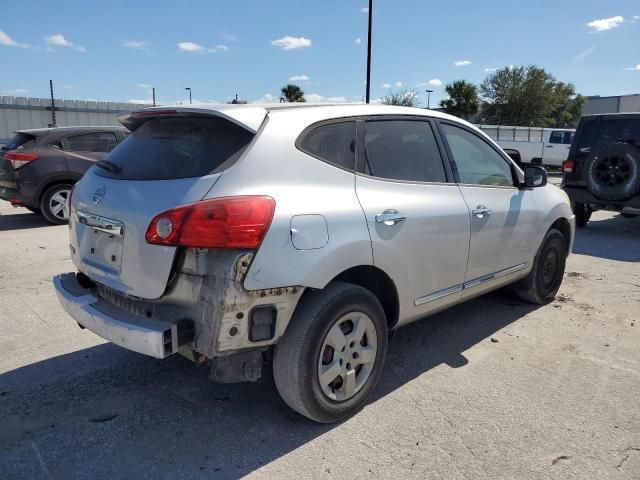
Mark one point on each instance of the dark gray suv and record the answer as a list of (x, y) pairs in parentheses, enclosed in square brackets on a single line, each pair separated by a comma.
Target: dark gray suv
[(39, 167)]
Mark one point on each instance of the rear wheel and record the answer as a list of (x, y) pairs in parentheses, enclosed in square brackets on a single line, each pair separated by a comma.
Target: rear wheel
[(53, 204), (583, 212), (545, 278), (331, 356)]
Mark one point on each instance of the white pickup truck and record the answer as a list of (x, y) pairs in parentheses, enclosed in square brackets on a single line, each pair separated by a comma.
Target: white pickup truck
[(529, 145)]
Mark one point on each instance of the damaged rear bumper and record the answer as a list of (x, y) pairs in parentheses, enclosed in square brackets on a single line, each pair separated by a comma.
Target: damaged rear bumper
[(153, 337)]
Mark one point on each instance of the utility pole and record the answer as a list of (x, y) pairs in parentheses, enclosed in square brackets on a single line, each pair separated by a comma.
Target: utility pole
[(153, 90), (189, 88), (368, 95), (53, 105), (429, 92)]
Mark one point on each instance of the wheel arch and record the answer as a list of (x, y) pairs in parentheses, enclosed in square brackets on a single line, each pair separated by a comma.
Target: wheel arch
[(377, 282), (52, 181), (563, 225)]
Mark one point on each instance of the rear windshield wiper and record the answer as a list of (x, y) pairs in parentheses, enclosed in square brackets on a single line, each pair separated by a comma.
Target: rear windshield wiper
[(109, 166)]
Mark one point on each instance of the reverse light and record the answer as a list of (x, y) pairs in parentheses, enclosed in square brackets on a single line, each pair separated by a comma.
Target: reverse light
[(228, 222), (568, 166), (18, 159)]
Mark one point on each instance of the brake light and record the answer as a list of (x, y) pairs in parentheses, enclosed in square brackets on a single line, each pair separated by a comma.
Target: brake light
[(18, 159), (228, 222), (568, 166), (148, 113)]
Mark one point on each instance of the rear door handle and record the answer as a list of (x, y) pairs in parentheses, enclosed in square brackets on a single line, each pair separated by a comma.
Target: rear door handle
[(390, 217), (481, 211)]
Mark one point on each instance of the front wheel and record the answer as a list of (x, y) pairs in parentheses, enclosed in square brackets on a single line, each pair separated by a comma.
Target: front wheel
[(331, 356), (545, 278), (54, 203)]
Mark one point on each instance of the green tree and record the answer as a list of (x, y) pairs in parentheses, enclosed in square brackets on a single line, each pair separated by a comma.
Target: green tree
[(463, 99), (292, 93), (403, 98), (529, 96)]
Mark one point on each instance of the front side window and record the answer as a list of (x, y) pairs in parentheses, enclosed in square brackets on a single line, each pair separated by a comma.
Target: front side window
[(476, 161), (334, 143), (99, 142), (402, 150)]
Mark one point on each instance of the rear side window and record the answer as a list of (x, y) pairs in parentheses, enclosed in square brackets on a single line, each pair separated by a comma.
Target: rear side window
[(402, 150), (334, 143), (19, 140), (177, 147), (99, 142)]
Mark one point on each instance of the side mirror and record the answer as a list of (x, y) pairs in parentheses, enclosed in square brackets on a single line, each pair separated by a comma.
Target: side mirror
[(534, 176)]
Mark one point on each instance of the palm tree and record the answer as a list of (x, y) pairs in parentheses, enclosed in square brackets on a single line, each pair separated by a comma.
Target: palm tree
[(292, 93)]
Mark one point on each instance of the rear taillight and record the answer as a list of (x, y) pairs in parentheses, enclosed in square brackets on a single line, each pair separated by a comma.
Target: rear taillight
[(568, 166), (228, 222), (19, 159)]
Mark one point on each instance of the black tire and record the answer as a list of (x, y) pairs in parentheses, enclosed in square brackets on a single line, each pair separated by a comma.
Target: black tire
[(297, 357), (544, 280), (628, 215), (583, 212), (57, 217), (614, 172)]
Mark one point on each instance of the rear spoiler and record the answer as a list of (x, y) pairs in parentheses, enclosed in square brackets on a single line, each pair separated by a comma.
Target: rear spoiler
[(248, 117)]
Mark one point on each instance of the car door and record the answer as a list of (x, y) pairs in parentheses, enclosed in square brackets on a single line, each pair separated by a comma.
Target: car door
[(83, 149), (503, 217), (556, 149), (417, 218)]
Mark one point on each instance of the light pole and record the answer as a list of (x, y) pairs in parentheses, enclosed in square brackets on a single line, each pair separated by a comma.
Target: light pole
[(369, 52), (429, 92), (189, 88)]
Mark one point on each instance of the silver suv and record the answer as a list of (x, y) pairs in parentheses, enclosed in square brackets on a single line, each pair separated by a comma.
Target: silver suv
[(237, 234)]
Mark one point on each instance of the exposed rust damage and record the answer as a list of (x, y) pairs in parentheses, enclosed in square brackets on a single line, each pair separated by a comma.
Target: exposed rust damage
[(208, 289)]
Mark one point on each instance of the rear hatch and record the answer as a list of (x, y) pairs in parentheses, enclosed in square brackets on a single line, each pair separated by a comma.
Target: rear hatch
[(172, 158), (19, 142)]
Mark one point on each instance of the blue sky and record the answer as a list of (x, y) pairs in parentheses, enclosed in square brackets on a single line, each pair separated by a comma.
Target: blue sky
[(115, 50)]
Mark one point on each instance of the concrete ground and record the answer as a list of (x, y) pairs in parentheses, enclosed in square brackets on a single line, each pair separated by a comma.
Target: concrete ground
[(494, 388)]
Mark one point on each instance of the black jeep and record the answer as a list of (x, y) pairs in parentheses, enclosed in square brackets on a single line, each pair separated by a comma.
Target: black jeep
[(602, 171)]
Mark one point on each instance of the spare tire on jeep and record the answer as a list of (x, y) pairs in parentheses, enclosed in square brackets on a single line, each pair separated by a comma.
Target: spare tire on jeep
[(614, 171)]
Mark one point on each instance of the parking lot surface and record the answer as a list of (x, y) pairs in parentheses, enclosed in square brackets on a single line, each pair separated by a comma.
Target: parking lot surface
[(494, 388)]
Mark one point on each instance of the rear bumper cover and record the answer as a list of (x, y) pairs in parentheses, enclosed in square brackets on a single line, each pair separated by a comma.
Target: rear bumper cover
[(582, 195), (155, 338), (11, 195)]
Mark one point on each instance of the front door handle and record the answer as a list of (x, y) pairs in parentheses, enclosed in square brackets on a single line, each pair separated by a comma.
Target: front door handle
[(390, 217), (481, 211)]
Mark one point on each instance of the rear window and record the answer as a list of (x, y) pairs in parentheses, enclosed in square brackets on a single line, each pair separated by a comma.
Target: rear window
[(19, 140), (620, 130), (179, 147)]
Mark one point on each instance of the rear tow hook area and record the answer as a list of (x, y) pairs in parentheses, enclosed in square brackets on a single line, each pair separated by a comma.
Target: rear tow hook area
[(239, 367)]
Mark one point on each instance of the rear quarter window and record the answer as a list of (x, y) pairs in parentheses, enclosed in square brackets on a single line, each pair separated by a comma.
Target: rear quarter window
[(176, 147), (333, 142)]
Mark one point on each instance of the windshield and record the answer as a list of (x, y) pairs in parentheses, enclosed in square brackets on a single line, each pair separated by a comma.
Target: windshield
[(19, 140), (176, 147)]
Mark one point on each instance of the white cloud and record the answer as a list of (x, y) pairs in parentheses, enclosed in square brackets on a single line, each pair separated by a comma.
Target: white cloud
[(291, 43), (218, 48), (398, 84), (316, 98), (267, 98), (7, 41), (635, 69), (358, 41), (462, 63), (584, 54), (604, 24), (16, 91), (299, 78), (386, 85), (58, 40), (143, 85), (191, 47), (228, 37), (490, 69), (364, 9), (136, 44), (434, 82), (635, 18)]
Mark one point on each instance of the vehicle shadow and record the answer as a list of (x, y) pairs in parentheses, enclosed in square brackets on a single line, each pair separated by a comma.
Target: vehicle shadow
[(104, 412), (21, 221), (613, 238)]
